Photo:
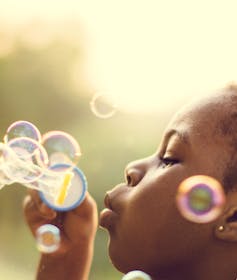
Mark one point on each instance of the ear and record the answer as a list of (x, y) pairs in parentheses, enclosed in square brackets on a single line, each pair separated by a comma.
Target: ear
[(226, 229)]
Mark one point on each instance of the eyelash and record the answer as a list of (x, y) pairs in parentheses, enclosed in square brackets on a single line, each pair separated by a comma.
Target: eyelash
[(168, 162)]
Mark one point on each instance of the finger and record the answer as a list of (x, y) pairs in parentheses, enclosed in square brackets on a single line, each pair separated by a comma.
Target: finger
[(44, 210), (84, 218), (87, 208), (34, 208), (32, 214)]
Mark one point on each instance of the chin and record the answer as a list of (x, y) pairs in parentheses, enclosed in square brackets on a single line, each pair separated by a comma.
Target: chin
[(125, 267), (119, 258), (123, 259)]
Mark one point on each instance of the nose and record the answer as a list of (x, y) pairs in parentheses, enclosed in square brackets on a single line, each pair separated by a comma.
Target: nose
[(135, 171)]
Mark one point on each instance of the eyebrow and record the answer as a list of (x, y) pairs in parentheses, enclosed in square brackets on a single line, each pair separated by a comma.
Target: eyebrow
[(181, 134)]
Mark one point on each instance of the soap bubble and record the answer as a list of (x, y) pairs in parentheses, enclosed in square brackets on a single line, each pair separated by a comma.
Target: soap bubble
[(200, 199), (61, 147), (22, 129), (136, 275), (103, 105), (29, 150), (23, 158), (47, 238)]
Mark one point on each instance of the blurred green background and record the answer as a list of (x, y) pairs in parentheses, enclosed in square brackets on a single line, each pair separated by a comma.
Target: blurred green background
[(37, 84)]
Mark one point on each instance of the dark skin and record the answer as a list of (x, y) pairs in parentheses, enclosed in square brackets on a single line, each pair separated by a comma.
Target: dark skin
[(146, 230)]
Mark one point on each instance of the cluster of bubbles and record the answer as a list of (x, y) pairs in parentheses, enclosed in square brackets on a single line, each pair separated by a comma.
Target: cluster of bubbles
[(46, 163), (200, 199), (26, 137), (103, 105), (136, 275)]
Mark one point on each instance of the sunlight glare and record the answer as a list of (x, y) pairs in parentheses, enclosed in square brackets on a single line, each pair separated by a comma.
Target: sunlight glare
[(151, 54)]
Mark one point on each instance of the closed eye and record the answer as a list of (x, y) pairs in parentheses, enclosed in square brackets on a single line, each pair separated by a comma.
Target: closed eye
[(168, 162)]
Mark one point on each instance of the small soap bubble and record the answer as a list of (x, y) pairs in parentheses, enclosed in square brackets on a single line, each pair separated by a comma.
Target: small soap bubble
[(103, 105), (136, 275), (200, 199), (48, 238), (22, 129), (61, 147)]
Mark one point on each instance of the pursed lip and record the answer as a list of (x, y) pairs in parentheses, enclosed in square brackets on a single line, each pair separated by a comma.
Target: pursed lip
[(107, 215)]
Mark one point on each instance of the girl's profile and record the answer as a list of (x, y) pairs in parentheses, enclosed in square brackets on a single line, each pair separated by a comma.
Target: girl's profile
[(146, 230)]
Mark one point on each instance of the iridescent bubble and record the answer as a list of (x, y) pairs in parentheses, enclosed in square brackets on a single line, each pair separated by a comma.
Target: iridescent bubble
[(24, 159), (22, 129), (200, 199), (136, 275), (61, 147), (28, 149), (48, 238), (103, 105)]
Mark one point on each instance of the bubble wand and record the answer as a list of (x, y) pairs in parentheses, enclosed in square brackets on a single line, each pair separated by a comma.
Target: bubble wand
[(47, 164)]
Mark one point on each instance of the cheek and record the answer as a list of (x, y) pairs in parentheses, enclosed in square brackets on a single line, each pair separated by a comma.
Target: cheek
[(132, 243), (140, 230), (168, 237), (151, 232), (151, 225), (150, 207)]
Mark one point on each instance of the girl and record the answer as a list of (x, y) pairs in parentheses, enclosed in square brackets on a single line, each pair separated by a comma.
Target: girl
[(146, 230)]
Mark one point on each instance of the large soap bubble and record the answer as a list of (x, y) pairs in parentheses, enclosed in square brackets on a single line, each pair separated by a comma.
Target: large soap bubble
[(200, 199)]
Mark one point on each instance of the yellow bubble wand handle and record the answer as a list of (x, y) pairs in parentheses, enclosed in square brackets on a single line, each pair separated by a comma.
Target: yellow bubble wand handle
[(64, 188)]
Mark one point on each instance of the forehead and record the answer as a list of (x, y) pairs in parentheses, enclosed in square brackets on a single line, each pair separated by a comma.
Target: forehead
[(205, 118), (199, 129)]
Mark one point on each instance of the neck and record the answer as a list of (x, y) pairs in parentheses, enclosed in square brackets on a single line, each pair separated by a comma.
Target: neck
[(218, 262)]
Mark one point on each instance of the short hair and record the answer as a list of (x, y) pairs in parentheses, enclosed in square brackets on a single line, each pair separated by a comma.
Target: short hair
[(228, 128)]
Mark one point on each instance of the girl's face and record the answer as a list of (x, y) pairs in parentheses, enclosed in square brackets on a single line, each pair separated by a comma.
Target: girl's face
[(146, 230)]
